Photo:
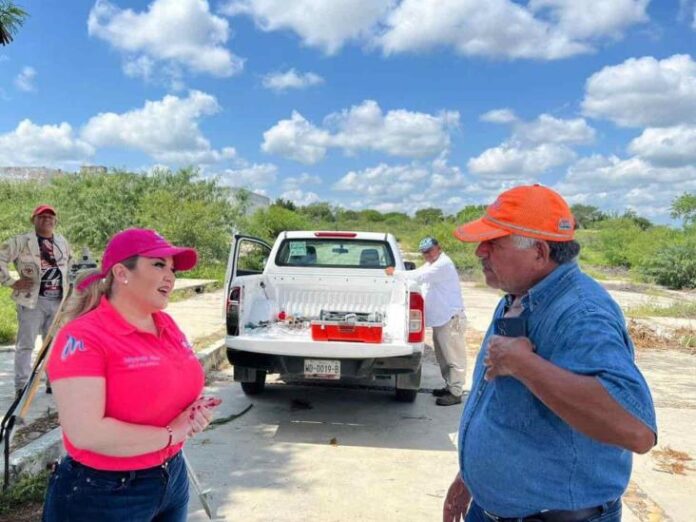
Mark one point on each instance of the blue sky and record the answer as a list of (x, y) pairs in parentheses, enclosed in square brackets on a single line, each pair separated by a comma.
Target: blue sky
[(387, 104)]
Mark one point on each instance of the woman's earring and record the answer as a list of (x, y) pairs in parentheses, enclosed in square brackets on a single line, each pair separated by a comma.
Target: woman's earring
[(125, 281)]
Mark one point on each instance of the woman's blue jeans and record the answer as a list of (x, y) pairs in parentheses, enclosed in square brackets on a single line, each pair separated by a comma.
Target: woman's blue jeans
[(77, 493), (611, 513)]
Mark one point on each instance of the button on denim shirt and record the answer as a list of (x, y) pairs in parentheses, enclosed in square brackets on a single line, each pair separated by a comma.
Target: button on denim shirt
[(516, 456)]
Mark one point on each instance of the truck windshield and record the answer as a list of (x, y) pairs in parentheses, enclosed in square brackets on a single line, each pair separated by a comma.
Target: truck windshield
[(335, 252)]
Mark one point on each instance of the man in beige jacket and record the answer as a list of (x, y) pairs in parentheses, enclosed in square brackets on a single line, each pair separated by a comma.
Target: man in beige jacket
[(43, 260)]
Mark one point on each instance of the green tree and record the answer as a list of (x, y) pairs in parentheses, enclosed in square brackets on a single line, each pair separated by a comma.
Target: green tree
[(429, 216), (684, 208), (11, 19), (371, 215), (470, 213), (17, 200), (190, 211), (318, 211), (643, 223), (285, 203), (587, 215), (267, 223), (93, 207)]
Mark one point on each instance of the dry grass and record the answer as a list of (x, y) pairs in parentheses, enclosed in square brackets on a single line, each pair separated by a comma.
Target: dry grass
[(672, 461), (646, 338)]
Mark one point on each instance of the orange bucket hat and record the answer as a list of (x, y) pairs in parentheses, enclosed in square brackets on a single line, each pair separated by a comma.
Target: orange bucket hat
[(530, 210)]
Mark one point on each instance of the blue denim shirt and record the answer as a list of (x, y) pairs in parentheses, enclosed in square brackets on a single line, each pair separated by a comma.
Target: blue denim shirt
[(516, 456)]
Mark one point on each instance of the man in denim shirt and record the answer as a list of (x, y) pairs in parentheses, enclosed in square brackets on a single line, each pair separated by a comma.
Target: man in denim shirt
[(557, 405)]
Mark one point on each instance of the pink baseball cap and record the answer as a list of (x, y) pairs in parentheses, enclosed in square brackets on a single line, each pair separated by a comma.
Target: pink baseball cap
[(140, 242)]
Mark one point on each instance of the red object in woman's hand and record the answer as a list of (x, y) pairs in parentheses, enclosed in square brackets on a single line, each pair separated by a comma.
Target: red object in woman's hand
[(282, 315)]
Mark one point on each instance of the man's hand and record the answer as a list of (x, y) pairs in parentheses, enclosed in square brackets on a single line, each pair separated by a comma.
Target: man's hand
[(505, 355), (389, 270), (23, 284), (456, 502)]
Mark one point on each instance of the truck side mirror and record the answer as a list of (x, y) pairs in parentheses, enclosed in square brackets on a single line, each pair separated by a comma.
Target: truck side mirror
[(409, 265)]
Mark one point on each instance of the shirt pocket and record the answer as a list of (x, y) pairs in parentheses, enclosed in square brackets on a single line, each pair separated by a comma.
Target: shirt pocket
[(512, 404), (26, 265)]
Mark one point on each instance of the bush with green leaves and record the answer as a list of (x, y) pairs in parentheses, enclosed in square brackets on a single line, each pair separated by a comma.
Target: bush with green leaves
[(674, 266), (267, 223)]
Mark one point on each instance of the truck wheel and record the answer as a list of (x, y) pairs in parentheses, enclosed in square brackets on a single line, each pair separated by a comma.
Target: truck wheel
[(256, 386), (406, 395)]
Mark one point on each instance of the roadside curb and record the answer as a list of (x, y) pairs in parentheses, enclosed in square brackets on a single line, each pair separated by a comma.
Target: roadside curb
[(40, 453)]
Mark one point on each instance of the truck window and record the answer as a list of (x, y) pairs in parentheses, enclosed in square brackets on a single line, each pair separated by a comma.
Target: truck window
[(252, 257), (335, 252)]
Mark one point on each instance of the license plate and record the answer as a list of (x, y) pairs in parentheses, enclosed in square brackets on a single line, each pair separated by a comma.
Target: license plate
[(322, 369)]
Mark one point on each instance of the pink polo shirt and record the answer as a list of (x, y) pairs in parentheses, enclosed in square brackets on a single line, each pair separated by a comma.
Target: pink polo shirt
[(150, 379)]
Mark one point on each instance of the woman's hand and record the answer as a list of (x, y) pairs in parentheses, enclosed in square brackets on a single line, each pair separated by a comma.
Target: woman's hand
[(194, 419)]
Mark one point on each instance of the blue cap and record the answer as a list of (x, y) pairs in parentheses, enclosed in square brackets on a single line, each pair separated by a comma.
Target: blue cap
[(427, 243)]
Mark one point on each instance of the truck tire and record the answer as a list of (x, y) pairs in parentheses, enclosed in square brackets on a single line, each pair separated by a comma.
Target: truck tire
[(406, 395), (256, 386)]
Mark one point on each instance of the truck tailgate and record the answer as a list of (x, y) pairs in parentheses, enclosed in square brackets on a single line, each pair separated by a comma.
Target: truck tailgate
[(304, 346)]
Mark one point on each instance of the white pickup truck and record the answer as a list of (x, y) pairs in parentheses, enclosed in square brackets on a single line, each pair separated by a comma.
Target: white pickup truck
[(318, 305)]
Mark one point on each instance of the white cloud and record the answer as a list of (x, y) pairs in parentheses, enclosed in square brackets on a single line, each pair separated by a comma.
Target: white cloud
[(171, 33), (593, 18), (383, 182), (644, 92), (409, 187), (25, 79), (167, 130), (509, 161), (296, 139), (499, 116), (547, 129), (301, 198), (500, 28), (291, 79), (667, 147), (613, 183), (250, 176), (362, 127), (325, 25), (43, 145), (301, 181), (542, 29), (533, 148)]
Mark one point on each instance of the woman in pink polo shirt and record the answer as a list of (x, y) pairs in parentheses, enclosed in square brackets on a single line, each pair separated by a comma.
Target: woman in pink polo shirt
[(128, 389)]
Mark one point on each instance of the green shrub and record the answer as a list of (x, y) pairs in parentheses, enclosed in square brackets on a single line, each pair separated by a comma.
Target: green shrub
[(8, 317), (674, 266), (267, 223)]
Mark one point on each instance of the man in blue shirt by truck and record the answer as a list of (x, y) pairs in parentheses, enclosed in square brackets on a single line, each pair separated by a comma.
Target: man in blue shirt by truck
[(557, 405)]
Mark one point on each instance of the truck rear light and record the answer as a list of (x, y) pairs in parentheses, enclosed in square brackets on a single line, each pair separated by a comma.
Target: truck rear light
[(416, 325), (335, 234), (234, 301)]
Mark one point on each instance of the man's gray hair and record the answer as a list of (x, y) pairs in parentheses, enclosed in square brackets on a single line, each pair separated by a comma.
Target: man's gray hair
[(561, 252)]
